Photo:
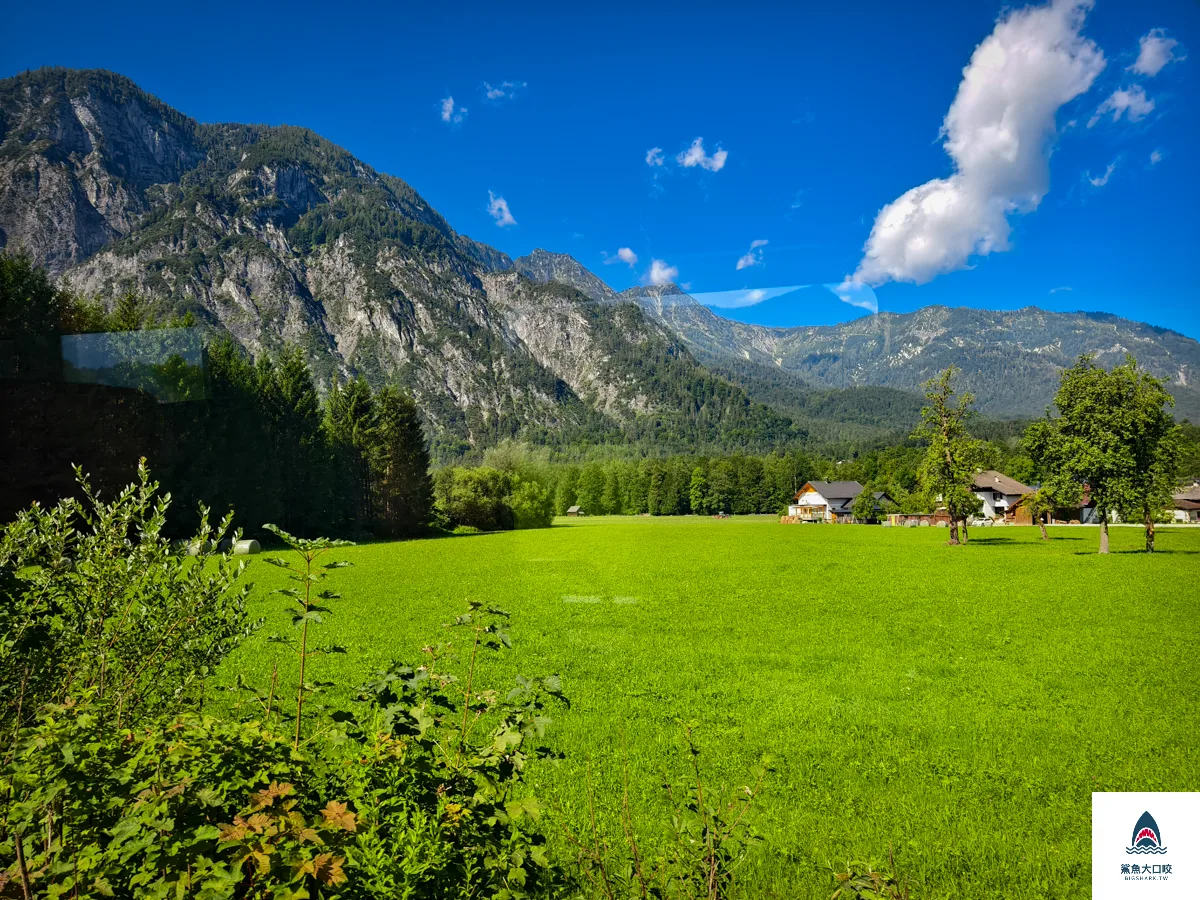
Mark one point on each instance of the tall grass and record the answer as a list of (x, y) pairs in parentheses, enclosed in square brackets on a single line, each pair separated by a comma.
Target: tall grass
[(955, 706)]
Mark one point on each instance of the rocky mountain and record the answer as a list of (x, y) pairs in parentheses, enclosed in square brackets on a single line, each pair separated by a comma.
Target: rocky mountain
[(275, 235), (1011, 360)]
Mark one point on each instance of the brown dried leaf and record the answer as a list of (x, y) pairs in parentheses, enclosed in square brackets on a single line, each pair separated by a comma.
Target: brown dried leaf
[(327, 869), (338, 816)]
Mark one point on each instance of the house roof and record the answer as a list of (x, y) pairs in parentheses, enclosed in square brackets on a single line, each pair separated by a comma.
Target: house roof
[(572, 509), (835, 490), (991, 480), (1187, 504), (1192, 493)]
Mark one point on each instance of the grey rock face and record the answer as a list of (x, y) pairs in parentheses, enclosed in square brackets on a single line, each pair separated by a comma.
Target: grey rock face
[(276, 236)]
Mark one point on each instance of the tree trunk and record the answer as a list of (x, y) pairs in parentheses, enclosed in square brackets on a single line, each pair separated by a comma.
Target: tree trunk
[(1149, 532), (953, 531), (1104, 532), (964, 530)]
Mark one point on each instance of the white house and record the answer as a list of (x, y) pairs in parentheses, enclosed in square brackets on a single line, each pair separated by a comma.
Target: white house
[(825, 501), (1187, 505), (998, 492)]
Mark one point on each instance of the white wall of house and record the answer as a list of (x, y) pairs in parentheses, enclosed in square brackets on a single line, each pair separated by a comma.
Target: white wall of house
[(996, 504), (805, 504)]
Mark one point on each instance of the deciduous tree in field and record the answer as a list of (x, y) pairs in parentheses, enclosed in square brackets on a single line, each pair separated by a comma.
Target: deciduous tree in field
[(950, 461), (1113, 433), (1153, 442), (1040, 505)]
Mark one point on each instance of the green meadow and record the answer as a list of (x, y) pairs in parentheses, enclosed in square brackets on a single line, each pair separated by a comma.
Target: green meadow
[(954, 706)]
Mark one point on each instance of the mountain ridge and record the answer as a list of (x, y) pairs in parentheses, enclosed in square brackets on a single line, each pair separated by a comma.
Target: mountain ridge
[(275, 235), (996, 349)]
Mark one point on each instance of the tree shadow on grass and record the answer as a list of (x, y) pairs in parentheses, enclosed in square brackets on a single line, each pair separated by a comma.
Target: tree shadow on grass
[(1157, 552), (998, 541)]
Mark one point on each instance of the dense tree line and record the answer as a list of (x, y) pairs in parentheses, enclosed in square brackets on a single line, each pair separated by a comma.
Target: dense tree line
[(255, 437)]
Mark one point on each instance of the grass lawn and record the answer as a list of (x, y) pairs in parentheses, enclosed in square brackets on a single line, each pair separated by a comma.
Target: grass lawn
[(956, 704)]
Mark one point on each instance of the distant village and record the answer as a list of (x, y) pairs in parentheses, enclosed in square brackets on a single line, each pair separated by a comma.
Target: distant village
[(1003, 501)]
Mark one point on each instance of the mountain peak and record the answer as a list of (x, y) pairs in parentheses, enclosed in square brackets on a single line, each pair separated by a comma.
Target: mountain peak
[(543, 266)]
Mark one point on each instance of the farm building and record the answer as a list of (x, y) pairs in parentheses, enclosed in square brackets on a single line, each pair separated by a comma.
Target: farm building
[(829, 501), (574, 511), (1083, 513), (999, 493), (1187, 505), (911, 520)]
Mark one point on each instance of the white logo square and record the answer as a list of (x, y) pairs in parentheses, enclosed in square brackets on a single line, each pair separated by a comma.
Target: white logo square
[(1146, 845)]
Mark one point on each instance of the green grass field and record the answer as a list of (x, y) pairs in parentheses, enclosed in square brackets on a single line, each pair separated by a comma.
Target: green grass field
[(956, 704)]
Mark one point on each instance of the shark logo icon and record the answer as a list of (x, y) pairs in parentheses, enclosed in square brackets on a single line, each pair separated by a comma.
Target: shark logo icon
[(1147, 838)]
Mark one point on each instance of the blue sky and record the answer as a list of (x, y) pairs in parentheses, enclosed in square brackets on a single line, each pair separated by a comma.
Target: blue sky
[(812, 121)]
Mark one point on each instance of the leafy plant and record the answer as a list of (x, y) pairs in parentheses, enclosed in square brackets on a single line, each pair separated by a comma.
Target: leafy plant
[(869, 881), (708, 840), (96, 811), (97, 601), (438, 780), (304, 607)]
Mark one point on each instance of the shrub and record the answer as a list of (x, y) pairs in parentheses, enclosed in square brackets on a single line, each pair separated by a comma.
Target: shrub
[(95, 600), (532, 504), (474, 497), (489, 499)]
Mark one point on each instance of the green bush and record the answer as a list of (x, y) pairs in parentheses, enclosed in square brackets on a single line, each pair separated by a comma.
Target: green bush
[(93, 599), (532, 504), (490, 499)]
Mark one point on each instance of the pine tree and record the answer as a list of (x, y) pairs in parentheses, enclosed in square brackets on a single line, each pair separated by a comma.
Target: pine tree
[(400, 462), (300, 447), (350, 423)]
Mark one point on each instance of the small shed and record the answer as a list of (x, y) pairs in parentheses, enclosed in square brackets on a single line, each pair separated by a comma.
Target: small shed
[(574, 511)]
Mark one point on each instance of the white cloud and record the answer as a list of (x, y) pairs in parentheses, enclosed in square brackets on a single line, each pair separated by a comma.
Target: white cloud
[(798, 199), (754, 257), (498, 209), (999, 132), (1061, 289), (1130, 102), (661, 273), (1102, 180), (450, 114), (505, 90), (1156, 157), (623, 255), (695, 156), (856, 294), (743, 296), (654, 156), (1155, 51)]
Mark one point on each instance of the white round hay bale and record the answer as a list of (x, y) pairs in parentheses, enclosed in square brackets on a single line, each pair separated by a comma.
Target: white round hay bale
[(246, 548)]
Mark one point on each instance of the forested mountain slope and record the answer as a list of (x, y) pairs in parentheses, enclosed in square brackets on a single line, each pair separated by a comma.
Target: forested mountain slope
[(1011, 360), (277, 236)]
